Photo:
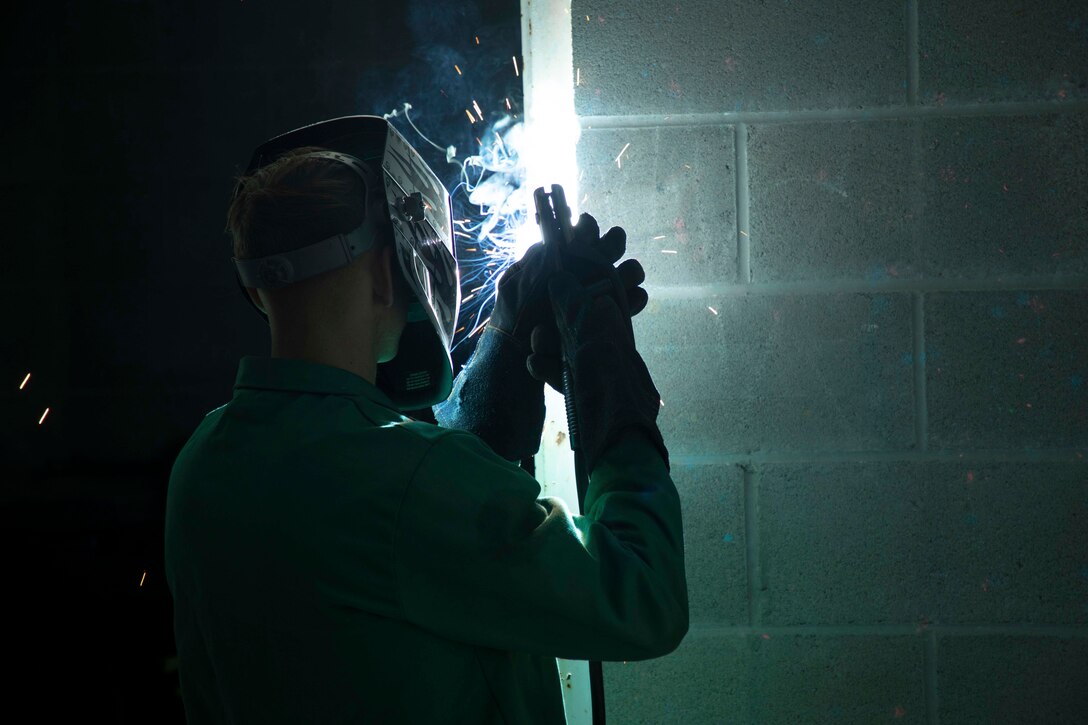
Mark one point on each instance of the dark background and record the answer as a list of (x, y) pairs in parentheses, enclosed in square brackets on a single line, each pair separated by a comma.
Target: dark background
[(124, 126)]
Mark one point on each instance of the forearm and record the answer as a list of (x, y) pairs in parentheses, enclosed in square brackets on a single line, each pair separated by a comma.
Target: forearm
[(496, 398)]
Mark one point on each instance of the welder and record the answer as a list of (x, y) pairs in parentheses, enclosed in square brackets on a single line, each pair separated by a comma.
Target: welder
[(333, 560)]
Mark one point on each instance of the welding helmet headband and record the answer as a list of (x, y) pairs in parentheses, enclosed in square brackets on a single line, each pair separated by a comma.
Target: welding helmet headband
[(412, 201)]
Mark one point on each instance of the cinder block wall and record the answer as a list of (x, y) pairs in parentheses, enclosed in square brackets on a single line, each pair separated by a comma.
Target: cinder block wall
[(865, 229)]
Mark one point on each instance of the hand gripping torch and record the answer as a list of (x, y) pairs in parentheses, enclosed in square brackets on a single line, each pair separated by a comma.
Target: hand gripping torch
[(554, 221)]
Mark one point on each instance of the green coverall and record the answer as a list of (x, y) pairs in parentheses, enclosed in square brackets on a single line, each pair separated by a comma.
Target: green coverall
[(332, 561)]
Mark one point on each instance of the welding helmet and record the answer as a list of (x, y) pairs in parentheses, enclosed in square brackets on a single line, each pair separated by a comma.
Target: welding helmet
[(415, 208)]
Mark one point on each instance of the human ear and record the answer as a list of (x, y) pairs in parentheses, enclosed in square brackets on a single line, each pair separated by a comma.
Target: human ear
[(383, 278), (256, 297)]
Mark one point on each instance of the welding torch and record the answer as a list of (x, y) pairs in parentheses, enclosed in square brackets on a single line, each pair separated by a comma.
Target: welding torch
[(553, 215), (554, 221)]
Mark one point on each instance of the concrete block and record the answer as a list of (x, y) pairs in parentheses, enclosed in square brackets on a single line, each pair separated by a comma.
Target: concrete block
[(925, 543), (756, 372), (673, 192), (1002, 196), (983, 52), (831, 201), (708, 57), (904, 200), (1007, 369), (772, 680), (992, 680), (712, 500)]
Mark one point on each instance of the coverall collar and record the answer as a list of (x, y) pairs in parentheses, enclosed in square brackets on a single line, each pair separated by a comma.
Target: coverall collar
[(303, 376)]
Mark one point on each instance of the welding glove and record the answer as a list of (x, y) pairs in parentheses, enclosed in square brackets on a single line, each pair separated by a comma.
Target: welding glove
[(494, 395), (523, 302), (612, 388)]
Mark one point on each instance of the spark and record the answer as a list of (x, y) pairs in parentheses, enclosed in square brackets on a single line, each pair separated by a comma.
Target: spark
[(458, 69), (712, 309), (497, 235), (583, 202), (662, 403), (507, 104), (744, 232), (660, 237), (621, 155), (451, 151), (477, 40), (478, 111), (494, 180), (43, 416), (471, 294), (577, 76), (143, 577), (480, 327), (24, 381), (515, 65), (669, 251)]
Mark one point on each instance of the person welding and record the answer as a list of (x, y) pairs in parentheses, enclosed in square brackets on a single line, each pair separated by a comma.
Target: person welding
[(332, 560)]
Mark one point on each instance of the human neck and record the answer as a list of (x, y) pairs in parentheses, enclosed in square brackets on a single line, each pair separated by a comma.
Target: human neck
[(337, 347)]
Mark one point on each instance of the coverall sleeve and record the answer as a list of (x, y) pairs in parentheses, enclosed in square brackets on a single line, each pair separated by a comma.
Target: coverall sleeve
[(494, 375), (482, 560)]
